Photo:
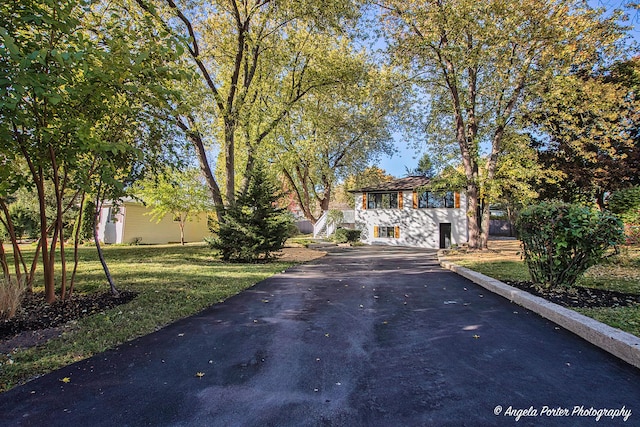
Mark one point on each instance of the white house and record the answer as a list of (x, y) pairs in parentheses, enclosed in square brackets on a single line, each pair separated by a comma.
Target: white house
[(130, 222), (400, 213)]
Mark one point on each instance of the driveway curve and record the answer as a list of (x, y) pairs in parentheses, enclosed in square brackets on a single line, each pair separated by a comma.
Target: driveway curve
[(369, 336)]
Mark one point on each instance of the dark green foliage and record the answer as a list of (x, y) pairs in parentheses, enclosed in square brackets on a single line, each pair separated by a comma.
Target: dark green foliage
[(25, 220), (88, 220), (346, 235), (626, 205), (561, 241), (254, 228)]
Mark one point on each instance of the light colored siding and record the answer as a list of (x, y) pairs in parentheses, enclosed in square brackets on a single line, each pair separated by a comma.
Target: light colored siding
[(417, 227), (138, 224)]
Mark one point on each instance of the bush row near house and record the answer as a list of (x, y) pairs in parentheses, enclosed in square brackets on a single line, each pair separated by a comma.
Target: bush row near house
[(346, 235)]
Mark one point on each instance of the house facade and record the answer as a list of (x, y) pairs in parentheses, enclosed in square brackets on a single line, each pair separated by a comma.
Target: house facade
[(401, 213), (130, 222)]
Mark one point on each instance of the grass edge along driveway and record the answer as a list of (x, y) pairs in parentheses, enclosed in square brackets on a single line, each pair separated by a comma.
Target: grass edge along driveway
[(172, 282)]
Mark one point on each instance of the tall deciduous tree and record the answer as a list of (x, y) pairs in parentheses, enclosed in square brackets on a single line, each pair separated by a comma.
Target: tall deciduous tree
[(335, 133), (477, 61), (257, 59)]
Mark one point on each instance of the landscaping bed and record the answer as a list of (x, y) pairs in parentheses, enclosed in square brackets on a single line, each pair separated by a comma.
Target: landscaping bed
[(37, 321), (579, 297)]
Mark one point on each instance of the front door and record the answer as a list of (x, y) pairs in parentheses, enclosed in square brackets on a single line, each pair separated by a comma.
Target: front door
[(445, 236)]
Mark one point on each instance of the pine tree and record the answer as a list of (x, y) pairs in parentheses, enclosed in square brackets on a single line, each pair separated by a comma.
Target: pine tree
[(254, 228)]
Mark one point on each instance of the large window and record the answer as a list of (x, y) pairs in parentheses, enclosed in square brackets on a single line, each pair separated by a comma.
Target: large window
[(382, 200), (433, 200)]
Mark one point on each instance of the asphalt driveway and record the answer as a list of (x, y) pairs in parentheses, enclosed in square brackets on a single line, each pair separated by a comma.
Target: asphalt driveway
[(370, 336)]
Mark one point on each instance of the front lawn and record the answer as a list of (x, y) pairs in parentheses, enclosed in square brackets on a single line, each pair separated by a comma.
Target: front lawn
[(503, 261), (171, 282)]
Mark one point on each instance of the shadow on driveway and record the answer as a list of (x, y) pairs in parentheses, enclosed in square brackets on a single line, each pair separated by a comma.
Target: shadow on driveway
[(369, 336)]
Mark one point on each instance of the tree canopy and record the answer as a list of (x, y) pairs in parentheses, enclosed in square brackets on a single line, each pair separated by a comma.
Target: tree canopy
[(77, 100), (588, 122), (335, 133), (478, 61), (256, 60)]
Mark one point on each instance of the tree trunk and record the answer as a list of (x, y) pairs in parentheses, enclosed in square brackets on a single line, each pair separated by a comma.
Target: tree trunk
[(205, 168), (484, 226), (34, 265), (472, 215), (600, 200), (17, 255), (303, 200), (76, 243), (47, 263), (251, 159), (58, 230), (105, 267), (229, 161), (3, 262)]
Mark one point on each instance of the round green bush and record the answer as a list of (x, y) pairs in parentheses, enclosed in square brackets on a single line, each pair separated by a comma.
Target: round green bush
[(346, 235), (561, 240)]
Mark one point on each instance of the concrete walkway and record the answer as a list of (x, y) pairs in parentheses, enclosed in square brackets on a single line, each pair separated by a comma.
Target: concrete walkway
[(370, 336)]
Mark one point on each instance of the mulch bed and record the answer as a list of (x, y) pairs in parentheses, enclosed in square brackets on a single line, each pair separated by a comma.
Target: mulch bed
[(579, 297), (37, 321)]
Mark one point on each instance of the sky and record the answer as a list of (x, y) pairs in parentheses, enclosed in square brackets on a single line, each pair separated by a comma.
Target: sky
[(407, 157)]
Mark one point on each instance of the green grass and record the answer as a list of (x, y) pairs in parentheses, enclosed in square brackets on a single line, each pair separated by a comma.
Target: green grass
[(618, 273), (172, 282), (302, 239), (501, 270)]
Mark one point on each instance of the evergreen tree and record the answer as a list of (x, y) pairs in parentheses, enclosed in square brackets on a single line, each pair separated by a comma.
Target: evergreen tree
[(254, 228)]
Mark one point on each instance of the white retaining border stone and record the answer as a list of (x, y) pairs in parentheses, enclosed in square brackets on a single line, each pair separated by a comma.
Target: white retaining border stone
[(619, 343)]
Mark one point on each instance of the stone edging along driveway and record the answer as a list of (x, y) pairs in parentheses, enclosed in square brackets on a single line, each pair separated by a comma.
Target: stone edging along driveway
[(619, 343)]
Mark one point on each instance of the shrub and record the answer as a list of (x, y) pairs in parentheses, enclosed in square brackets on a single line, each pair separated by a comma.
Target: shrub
[(346, 235), (626, 205), (254, 228), (335, 217), (25, 220), (561, 241)]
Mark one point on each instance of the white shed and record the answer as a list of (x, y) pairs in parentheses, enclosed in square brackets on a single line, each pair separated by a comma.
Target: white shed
[(400, 213)]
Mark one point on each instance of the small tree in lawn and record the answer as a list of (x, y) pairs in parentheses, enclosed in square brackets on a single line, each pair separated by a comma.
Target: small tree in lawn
[(254, 228), (181, 194)]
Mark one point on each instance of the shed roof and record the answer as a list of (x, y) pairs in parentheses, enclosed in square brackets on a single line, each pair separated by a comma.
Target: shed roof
[(408, 183)]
